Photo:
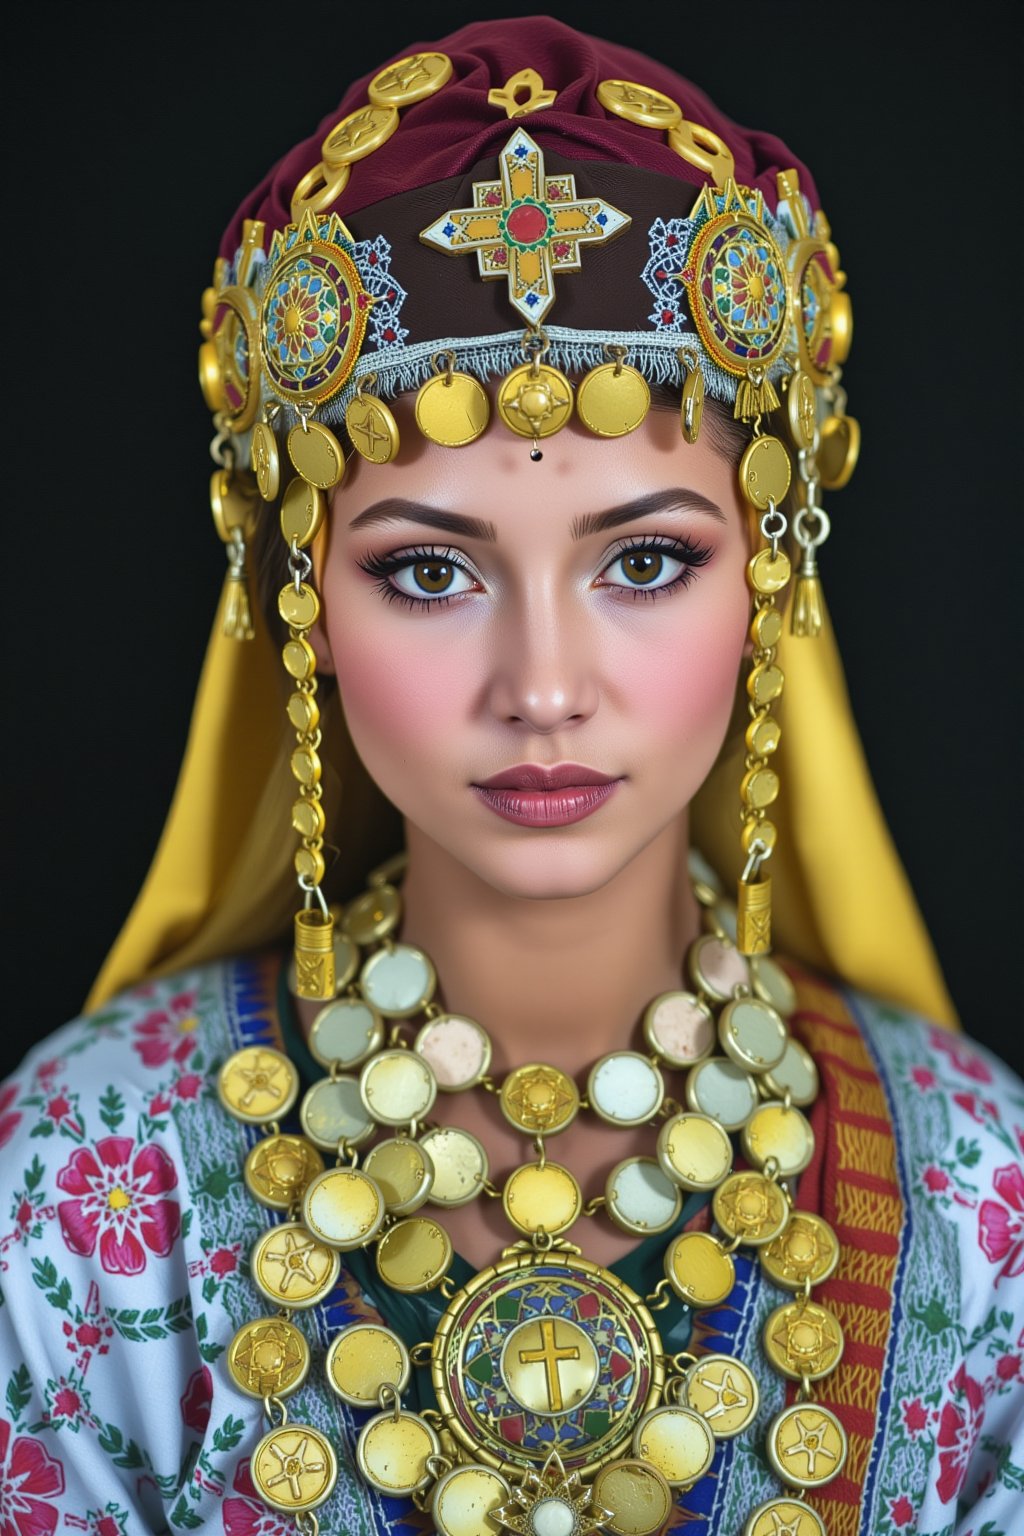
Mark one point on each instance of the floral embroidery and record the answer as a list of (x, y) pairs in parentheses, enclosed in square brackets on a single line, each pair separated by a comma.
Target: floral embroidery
[(1001, 1227), (9, 1118), (959, 1427), (120, 1200), (29, 1479), (168, 1033), (247, 1515), (965, 1061), (196, 1400)]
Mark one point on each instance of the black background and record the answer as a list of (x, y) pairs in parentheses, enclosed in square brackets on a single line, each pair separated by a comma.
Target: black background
[(134, 133)]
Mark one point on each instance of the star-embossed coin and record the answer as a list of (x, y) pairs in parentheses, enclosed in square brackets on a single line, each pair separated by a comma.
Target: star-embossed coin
[(412, 79), (535, 402), (539, 1099), (806, 1445), (258, 1084), (784, 1517), (639, 104), (291, 1268), (722, 1389), (751, 1207), (294, 1468), (268, 1357), (278, 1169), (803, 1338), (806, 1251), (359, 134)]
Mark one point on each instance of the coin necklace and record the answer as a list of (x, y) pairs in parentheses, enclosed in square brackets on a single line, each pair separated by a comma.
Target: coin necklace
[(543, 1348)]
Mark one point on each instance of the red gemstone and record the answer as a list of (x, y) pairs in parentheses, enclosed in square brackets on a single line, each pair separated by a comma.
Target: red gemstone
[(620, 1366), (560, 249), (361, 300), (667, 317), (389, 334), (687, 275), (527, 223), (672, 240), (513, 1428), (588, 1305), (492, 199), (391, 295), (373, 258)]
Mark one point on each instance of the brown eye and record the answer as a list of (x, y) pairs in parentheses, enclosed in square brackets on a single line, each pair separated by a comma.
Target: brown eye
[(642, 567), (433, 576)]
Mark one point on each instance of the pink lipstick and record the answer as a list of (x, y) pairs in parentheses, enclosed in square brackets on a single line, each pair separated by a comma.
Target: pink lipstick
[(534, 796)]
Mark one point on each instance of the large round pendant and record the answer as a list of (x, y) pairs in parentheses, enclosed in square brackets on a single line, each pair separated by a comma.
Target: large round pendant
[(544, 1352)]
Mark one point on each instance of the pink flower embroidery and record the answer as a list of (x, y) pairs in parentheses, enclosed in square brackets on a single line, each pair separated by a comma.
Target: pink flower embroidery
[(168, 1033), (915, 1415), (1001, 1227), (959, 1426), (961, 1056), (902, 1510), (923, 1077), (1008, 1367), (120, 1199), (935, 1180), (968, 1102), (9, 1118), (188, 1086), (29, 1479), (223, 1261), (248, 1515), (196, 1400)]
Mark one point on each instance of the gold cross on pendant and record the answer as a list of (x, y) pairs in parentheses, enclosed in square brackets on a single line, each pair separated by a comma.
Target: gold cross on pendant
[(526, 227)]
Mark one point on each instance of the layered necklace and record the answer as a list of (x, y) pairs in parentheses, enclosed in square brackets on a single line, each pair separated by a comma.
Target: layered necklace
[(559, 1411)]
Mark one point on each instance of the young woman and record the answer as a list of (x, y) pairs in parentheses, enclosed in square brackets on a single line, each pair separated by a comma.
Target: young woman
[(532, 1192)]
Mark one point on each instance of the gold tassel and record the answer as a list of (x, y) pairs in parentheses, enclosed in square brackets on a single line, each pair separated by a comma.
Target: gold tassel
[(237, 606), (808, 616), (755, 396)]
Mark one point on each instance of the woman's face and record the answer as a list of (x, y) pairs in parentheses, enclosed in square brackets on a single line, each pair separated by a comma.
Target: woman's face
[(487, 615)]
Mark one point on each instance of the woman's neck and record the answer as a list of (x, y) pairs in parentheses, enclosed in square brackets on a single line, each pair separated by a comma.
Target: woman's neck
[(561, 981)]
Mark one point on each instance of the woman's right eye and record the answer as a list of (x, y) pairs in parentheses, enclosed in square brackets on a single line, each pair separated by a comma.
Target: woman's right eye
[(425, 579)]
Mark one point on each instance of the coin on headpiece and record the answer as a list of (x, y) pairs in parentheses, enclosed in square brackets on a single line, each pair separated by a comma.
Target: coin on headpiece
[(412, 79), (359, 134), (318, 189), (639, 104), (303, 509), (452, 409), (372, 427), (703, 148), (765, 472), (316, 454), (265, 460), (838, 451), (613, 400), (300, 609), (535, 400)]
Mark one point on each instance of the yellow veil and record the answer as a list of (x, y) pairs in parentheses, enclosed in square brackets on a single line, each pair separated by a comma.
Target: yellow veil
[(222, 878)]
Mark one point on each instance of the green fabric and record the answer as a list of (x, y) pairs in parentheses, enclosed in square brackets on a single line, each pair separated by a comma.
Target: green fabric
[(415, 1318)]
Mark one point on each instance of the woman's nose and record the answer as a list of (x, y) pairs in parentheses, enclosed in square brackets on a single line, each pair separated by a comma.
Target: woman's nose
[(545, 672)]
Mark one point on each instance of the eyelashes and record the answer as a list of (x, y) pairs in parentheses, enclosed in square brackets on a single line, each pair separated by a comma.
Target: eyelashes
[(428, 576)]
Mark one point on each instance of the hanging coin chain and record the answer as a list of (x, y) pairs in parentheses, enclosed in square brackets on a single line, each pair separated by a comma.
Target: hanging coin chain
[(233, 502), (757, 1083)]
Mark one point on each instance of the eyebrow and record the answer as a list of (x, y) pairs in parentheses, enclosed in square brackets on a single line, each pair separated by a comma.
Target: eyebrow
[(396, 509)]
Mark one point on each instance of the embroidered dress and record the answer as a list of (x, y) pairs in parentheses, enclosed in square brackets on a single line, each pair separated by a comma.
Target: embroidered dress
[(125, 1229)]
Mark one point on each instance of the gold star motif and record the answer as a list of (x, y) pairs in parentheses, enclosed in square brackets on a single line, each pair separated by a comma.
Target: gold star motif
[(551, 1485), (293, 1466), (294, 1260), (810, 1444), (727, 1395)]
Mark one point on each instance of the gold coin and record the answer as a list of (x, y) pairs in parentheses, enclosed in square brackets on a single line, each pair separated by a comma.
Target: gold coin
[(303, 509), (755, 830), (752, 1033), (404, 1172), (784, 1517), (398, 1087), (838, 451), (765, 684), (535, 401), (398, 981), (771, 982), (806, 1445), (234, 502), (392, 1453), (678, 1442), (549, 1365), (412, 79), (344, 1208), (414, 1255), (699, 1269), (695, 1151), (265, 460), (796, 1075), (750, 1207), (460, 1165), (347, 1031), (762, 739), (299, 659), (775, 1131), (316, 454), (464, 1501), (278, 1168), (306, 766), (637, 1495), (452, 409), (332, 1111), (613, 400), (766, 627), (765, 472), (318, 189), (539, 1099), (803, 1338), (363, 1358), (310, 865), (358, 135), (268, 1357), (308, 821), (639, 104), (768, 574), (258, 1084), (373, 429), (304, 714), (300, 609), (291, 1269), (801, 410), (722, 1389), (759, 788), (537, 1199), (374, 915), (807, 1251), (641, 1198), (294, 1468)]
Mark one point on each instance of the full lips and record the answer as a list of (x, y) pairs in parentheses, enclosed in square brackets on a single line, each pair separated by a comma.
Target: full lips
[(547, 808)]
